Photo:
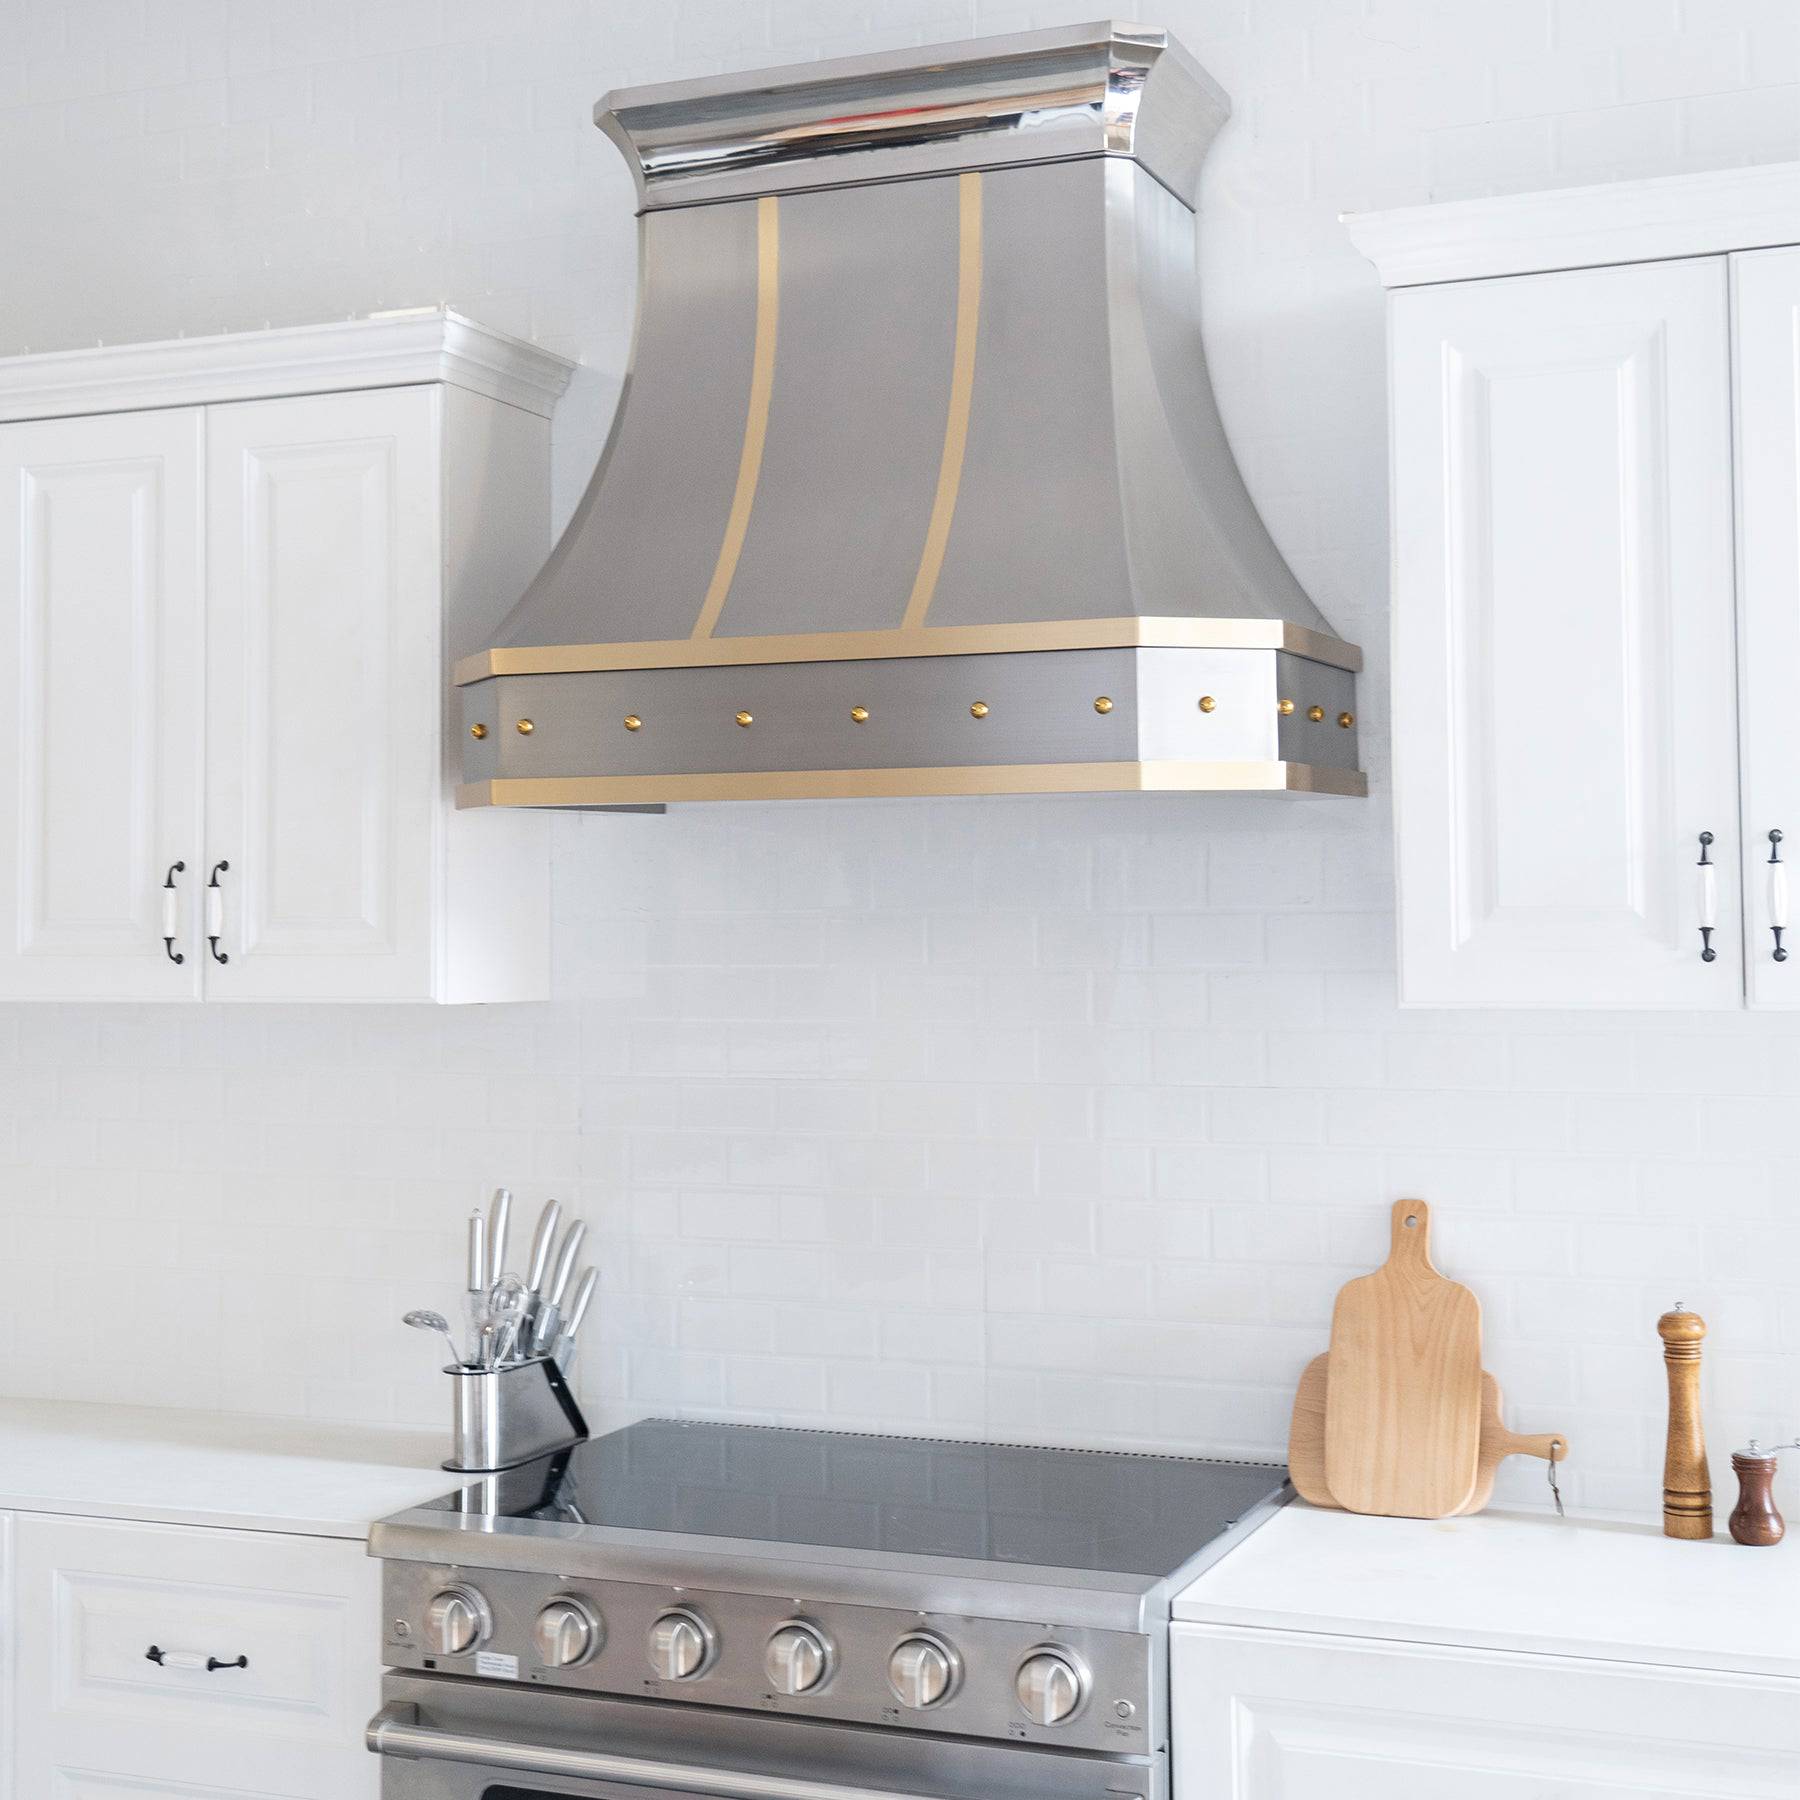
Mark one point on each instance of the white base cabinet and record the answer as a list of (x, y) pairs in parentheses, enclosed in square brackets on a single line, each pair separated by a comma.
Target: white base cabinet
[(1272, 1715), (1595, 413), (225, 629), (175, 1662)]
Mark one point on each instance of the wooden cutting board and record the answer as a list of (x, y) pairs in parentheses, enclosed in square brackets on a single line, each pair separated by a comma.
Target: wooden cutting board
[(1403, 1430), (1306, 1439)]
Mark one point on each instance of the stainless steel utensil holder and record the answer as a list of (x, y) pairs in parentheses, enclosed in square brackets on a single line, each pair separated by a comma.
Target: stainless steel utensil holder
[(503, 1417)]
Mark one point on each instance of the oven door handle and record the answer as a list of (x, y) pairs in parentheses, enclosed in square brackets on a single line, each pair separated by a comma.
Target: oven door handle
[(396, 1731)]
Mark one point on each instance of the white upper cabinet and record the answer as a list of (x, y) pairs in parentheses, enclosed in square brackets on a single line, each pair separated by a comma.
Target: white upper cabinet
[(1563, 640), (100, 668), (323, 685), (226, 626), (1766, 302), (1594, 493)]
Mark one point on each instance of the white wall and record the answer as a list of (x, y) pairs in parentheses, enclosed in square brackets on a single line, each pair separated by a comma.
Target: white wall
[(1035, 1118)]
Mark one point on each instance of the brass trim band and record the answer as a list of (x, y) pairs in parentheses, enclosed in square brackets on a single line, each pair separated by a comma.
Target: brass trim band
[(926, 640), (852, 784), (962, 389), (756, 416)]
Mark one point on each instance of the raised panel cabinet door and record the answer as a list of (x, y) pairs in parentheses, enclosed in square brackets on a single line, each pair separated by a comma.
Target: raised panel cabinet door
[(101, 672), (324, 679), (1766, 373), (1564, 662), (124, 1621), (1267, 1715)]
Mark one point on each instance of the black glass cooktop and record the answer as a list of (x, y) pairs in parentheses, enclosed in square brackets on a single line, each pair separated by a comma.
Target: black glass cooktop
[(1099, 1511)]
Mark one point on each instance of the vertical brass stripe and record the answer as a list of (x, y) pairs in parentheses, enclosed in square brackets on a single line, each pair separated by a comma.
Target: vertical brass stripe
[(756, 419), (962, 385)]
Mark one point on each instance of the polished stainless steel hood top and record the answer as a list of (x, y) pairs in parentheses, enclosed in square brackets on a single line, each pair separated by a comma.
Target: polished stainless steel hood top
[(917, 485)]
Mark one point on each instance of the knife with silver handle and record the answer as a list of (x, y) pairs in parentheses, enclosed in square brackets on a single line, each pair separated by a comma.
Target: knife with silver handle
[(498, 1221), (584, 1293), (565, 1262), (477, 1278), (543, 1244)]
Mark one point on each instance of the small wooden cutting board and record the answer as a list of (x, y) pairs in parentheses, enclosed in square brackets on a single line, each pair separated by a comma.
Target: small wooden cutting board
[(1403, 1430), (1306, 1439)]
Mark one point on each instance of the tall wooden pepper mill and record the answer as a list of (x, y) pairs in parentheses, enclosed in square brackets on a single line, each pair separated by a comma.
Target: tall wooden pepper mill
[(1687, 1482)]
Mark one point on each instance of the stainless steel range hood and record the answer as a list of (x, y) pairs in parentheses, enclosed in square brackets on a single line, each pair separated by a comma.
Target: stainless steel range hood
[(918, 485)]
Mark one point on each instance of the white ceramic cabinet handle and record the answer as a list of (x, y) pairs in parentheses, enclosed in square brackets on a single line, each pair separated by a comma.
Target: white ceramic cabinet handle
[(1709, 898), (171, 914), (215, 912), (1778, 897)]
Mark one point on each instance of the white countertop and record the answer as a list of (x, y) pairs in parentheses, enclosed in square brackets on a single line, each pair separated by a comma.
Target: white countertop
[(1530, 1582), (225, 1469)]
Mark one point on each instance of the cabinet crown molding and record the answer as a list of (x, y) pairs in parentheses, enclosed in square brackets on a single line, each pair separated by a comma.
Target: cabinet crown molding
[(401, 349), (1583, 227)]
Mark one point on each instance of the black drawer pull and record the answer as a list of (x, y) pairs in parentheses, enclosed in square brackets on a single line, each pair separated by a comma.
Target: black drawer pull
[(162, 1659)]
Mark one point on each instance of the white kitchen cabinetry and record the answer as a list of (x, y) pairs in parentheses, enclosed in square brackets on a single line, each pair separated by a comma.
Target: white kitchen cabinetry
[(1766, 300), (1268, 1715), (177, 1661), (232, 575), (100, 673), (1596, 591)]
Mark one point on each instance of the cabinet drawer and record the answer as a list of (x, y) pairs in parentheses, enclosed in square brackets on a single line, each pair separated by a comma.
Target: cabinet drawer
[(99, 1597), (1276, 1715)]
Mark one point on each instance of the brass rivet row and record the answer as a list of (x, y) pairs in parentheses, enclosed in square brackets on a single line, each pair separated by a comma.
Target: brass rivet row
[(477, 731), (526, 728), (1346, 720), (860, 715)]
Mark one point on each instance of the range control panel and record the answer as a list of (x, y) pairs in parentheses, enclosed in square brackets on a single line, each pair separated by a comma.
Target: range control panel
[(1032, 1682)]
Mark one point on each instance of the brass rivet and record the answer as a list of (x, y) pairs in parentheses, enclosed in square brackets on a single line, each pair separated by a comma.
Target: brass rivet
[(1208, 703), (1315, 713), (860, 714), (1284, 707), (1103, 704), (1346, 720), (746, 719), (979, 710), (526, 728), (477, 731), (633, 722)]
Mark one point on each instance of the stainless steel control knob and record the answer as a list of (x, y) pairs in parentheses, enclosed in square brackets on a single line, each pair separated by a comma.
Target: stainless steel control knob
[(682, 1645), (1051, 1686), (457, 1621), (923, 1671), (567, 1632), (796, 1658)]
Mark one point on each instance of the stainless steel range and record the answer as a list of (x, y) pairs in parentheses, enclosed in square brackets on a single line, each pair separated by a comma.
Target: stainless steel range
[(768, 1614)]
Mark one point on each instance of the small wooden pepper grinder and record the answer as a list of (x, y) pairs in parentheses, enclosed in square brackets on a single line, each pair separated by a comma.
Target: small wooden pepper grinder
[(1687, 1482), (1755, 1519)]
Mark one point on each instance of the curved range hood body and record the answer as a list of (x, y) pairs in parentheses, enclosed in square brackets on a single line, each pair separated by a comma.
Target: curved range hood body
[(918, 484)]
